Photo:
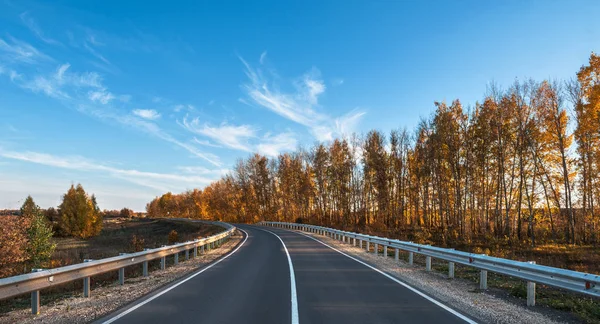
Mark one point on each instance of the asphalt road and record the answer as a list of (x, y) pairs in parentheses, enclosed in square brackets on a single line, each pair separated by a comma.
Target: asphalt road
[(253, 285)]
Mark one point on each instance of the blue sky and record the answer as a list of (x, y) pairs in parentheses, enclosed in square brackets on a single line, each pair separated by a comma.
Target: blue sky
[(135, 100)]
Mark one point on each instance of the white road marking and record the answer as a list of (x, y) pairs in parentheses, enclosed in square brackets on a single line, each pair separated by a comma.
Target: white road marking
[(295, 317), (447, 308), (138, 305)]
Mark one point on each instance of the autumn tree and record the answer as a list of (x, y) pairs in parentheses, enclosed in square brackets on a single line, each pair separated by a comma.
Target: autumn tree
[(79, 214)]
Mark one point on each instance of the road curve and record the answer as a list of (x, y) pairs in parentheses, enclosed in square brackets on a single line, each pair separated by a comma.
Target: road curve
[(253, 285)]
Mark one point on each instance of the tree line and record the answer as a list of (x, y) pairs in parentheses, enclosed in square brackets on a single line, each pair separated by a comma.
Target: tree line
[(522, 166)]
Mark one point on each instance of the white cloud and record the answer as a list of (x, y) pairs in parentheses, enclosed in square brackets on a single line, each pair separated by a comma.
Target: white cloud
[(231, 136), (103, 97), (263, 56), (159, 181), (95, 53), (299, 106), (20, 52), (146, 113), (274, 145), (32, 25), (64, 85), (346, 124), (203, 171), (178, 108), (206, 143), (57, 84)]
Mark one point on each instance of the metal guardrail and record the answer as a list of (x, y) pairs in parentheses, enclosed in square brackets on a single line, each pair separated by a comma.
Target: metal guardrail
[(40, 279), (579, 282)]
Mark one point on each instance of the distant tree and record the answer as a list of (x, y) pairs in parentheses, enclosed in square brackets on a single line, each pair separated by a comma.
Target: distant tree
[(51, 214), (29, 208), (79, 214), (126, 213)]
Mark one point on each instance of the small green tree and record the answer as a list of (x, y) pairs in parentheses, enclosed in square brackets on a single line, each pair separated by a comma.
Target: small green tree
[(79, 214), (39, 246)]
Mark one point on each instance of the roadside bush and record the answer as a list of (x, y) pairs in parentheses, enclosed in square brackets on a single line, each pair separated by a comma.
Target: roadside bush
[(137, 243), (173, 237)]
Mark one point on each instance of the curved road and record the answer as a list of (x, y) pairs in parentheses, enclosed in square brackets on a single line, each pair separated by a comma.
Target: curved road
[(253, 284)]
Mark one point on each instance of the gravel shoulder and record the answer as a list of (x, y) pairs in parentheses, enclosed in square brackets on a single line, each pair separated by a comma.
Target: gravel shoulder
[(107, 299), (460, 294)]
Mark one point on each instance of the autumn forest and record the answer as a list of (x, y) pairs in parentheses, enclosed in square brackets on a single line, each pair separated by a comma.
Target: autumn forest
[(521, 166)]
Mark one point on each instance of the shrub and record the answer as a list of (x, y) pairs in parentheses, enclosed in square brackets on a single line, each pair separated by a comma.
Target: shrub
[(137, 243), (173, 237)]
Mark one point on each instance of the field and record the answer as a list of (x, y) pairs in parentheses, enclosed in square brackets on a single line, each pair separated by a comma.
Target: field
[(116, 237)]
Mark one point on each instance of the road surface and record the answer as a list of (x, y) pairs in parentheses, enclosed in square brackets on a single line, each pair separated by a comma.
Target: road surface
[(257, 284)]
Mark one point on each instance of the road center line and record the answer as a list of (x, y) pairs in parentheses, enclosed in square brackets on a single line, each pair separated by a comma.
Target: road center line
[(138, 305), (447, 308), (295, 318)]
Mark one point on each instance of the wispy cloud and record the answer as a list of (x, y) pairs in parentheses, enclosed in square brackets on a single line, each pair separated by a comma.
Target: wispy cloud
[(13, 50), (178, 108), (160, 181), (273, 145), (83, 91), (300, 106), (203, 171), (263, 56), (33, 26), (150, 114), (90, 48), (56, 84), (102, 96), (206, 143), (231, 136)]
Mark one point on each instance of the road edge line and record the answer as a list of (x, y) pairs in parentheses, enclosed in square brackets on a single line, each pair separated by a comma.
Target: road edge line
[(145, 301)]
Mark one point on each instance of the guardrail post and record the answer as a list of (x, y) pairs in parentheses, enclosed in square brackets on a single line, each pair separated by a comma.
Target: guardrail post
[(376, 249), (35, 298), (427, 263), (122, 273), (368, 246), (187, 255), (163, 262), (176, 258), (202, 248), (411, 257), (195, 251), (354, 241), (451, 270), (483, 280), (86, 282), (531, 291), (360, 243), (396, 255), (385, 251)]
